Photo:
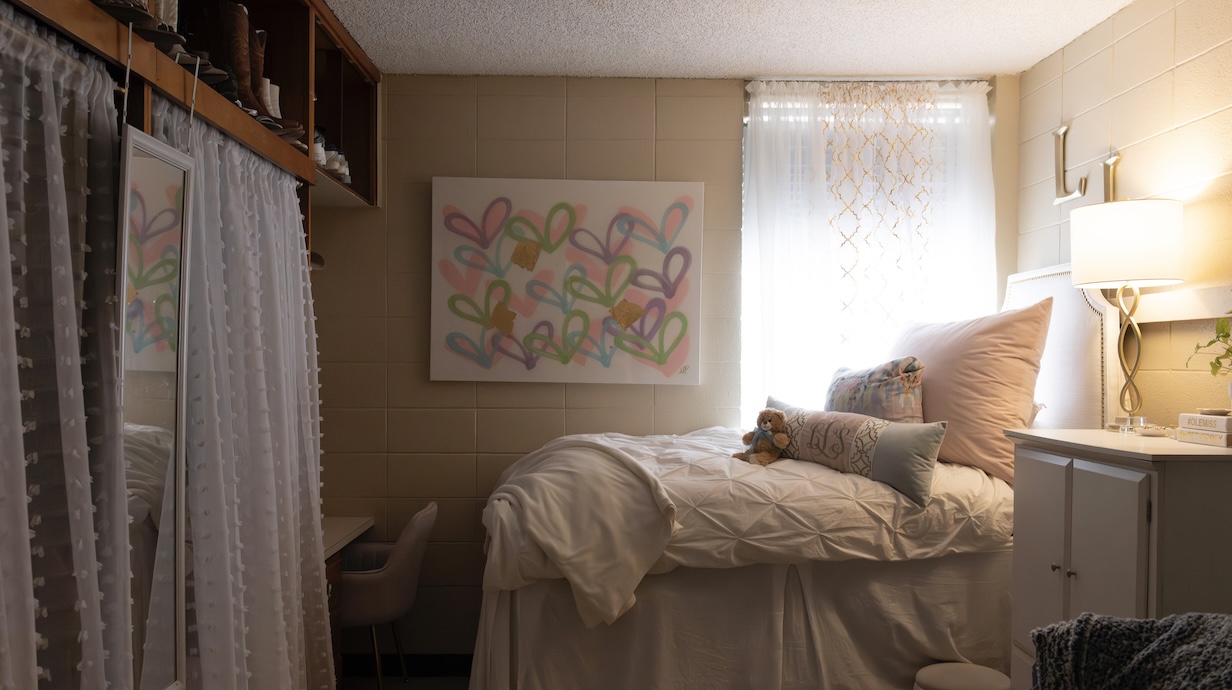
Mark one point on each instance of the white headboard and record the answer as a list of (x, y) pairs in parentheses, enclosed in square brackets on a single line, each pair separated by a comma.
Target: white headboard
[(1079, 377)]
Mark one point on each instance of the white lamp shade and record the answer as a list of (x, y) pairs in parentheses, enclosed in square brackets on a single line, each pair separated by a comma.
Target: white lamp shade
[(1139, 243)]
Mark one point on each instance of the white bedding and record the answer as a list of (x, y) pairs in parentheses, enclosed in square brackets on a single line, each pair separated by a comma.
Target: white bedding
[(604, 510), (848, 625), (146, 450)]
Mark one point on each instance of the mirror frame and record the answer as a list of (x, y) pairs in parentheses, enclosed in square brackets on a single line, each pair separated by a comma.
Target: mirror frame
[(135, 140)]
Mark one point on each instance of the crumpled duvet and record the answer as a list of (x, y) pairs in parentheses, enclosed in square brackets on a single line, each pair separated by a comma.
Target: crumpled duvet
[(604, 510)]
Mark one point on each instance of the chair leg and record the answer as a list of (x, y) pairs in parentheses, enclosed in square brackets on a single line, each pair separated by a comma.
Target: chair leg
[(376, 654), (401, 657)]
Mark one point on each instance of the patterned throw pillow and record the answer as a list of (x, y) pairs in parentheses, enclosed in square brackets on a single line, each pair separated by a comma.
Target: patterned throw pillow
[(894, 453), (890, 391)]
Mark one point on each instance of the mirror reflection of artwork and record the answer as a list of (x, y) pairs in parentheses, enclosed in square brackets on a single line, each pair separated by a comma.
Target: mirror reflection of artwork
[(153, 266), (152, 276)]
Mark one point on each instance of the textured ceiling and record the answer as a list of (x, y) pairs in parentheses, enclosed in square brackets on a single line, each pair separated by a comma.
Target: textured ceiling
[(717, 38)]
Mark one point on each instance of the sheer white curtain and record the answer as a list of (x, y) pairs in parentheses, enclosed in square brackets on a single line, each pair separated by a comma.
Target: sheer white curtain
[(867, 206), (64, 612), (257, 571)]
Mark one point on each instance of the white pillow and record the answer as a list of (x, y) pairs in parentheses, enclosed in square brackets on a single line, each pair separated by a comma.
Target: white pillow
[(981, 379)]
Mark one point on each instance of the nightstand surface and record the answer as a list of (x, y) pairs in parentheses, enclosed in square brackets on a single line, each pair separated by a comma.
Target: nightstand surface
[(1129, 446)]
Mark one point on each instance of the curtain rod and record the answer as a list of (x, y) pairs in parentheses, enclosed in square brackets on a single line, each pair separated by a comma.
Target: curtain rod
[(872, 79)]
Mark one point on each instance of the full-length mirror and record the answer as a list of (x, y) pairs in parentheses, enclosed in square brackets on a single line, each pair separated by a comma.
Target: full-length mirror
[(152, 287)]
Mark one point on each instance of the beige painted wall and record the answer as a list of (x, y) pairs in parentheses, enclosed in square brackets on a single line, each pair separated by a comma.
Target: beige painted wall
[(1003, 108), (393, 439), (1153, 84)]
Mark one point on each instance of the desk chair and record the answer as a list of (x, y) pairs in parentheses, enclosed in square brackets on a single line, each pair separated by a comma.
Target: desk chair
[(379, 580)]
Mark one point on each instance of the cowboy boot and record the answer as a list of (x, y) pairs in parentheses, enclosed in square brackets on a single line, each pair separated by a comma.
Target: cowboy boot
[(236, 43), (256, 54)]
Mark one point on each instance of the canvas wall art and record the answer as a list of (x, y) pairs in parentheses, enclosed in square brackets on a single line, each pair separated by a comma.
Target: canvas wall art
[(566, 281)]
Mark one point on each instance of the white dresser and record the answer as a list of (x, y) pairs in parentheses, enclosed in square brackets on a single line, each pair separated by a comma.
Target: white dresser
[(1116, 524)]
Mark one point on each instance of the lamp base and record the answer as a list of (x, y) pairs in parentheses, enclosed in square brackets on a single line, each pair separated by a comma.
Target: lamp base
[(1131, 397)]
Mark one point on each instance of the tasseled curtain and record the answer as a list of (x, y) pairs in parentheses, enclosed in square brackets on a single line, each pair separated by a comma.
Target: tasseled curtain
[(64, 585), (867, 206), (257, 571)]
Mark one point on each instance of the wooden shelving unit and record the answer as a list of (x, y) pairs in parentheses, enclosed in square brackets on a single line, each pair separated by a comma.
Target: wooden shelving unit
[(323, 75)]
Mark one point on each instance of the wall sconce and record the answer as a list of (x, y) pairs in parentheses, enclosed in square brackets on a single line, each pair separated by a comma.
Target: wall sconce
[(1128, 244)]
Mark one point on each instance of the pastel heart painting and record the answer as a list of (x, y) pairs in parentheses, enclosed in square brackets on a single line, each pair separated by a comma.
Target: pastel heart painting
[(612, 296)]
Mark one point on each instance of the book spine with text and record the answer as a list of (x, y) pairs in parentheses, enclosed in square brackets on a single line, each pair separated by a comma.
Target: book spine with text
[(1206, 422), (1209, 438)]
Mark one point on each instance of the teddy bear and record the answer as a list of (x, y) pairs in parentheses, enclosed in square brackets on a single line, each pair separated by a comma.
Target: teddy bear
[(765, 444)]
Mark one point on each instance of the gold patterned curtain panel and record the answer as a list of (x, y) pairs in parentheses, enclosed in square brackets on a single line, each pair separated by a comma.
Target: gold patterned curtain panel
[(868, 205)]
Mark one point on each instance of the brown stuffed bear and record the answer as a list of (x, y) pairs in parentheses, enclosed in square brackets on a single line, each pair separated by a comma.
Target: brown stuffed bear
[(765, 443)]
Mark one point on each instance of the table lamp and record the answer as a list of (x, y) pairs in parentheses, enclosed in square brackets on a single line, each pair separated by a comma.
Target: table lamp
[(1127, 244)]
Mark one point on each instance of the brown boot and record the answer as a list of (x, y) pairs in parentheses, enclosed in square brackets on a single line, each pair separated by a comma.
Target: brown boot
[(236, 43), (256, 55)]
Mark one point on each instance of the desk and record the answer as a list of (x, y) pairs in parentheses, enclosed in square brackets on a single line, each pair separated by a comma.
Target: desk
[(338, 532)]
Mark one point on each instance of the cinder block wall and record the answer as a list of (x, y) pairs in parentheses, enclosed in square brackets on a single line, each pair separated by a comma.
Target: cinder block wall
[(1152, 83), (395, 440)]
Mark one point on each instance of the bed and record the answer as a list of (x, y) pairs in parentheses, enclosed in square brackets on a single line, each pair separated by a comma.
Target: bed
[(660, 562), (147, 454)]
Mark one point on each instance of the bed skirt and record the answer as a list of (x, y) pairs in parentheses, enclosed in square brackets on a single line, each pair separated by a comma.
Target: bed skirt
[(844, 625)]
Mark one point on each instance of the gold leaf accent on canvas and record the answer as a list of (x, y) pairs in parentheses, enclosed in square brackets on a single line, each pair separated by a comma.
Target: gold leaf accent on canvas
[(526, 254), (502, 319), (626, 313)]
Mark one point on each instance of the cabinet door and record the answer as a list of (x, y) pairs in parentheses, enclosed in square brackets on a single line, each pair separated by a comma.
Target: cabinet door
[(1040, 503), (1108, 541)]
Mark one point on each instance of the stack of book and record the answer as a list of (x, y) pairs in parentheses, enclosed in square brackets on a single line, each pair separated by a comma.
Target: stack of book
[(1207, 429)]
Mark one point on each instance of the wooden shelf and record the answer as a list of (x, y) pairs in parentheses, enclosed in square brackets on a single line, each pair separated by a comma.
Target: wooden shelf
[(94, 29), (330, 193), (323, 75), (346, 105)]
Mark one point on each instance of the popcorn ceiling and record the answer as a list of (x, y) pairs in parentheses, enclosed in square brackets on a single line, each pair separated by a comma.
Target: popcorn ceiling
[(717, 38)]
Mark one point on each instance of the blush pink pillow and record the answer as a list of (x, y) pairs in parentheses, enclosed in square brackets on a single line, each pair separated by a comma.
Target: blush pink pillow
[(981, 379)]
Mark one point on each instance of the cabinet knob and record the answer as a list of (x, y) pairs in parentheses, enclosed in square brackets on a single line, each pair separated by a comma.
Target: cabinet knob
[(1070, 573), (1055, 567)]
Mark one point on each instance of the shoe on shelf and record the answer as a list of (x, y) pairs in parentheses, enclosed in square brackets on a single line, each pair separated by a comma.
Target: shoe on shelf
[(207, 73), (332, 163), (274, 92), (264, 95), (167, 11), (256, 54), (279, 127), (161, 35), (127, 11)]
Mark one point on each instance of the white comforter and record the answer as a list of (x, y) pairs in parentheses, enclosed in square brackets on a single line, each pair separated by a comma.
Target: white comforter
[(604, 510)]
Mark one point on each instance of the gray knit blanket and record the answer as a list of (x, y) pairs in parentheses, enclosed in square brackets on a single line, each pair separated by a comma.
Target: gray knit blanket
[(1191, 651)]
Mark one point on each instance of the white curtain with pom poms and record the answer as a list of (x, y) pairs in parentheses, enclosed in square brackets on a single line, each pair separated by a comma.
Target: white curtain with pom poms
[(258, 611), (64, 572)]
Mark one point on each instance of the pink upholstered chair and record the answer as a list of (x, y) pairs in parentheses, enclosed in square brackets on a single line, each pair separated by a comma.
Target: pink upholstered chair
[(379, 580)]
